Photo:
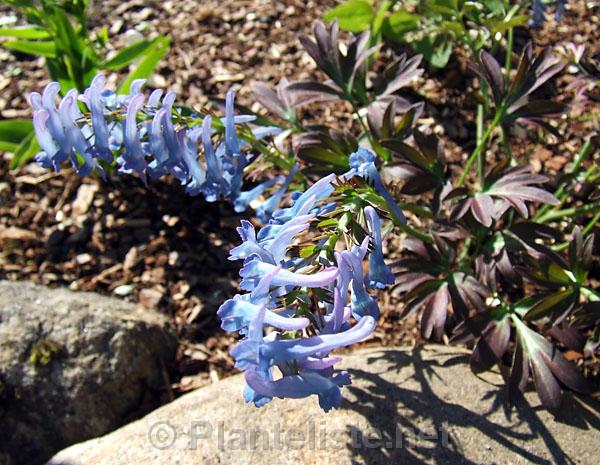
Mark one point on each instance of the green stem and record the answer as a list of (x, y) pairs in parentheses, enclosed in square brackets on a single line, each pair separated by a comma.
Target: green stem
[(590, 117), (405, 227), (413, 232), (509, 49), (588, 228), (360, 119), (480, 146), (465, 251), (506, 145), (591, 294), (573, 211), (418, 209), (479, 135), (561, 193), (591, 175)]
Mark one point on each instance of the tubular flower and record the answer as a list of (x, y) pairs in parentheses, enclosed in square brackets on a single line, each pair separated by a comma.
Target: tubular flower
[(363, 162), (147, 136), (380, 275), (296, 310)]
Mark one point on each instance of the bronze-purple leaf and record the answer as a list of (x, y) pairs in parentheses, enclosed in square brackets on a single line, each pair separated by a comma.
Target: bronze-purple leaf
[(493, 74), (434, 316), (548, 366), (492, 345)]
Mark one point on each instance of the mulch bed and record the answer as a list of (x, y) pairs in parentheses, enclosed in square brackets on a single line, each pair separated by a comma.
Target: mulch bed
[(168, 251)]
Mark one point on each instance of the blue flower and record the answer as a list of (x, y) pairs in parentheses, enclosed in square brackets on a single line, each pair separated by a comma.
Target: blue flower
[(243, 199), (147, 141), (214, 184), (158, 147), (234, 161), (51, 155), (269, 248), (380, 275), (133, 159), (362, 304), (237, 313), (93, 99), (363, 162), (297, 346), (257, 355), (254, 269), (265, 211), (307, 201), (299, 386)]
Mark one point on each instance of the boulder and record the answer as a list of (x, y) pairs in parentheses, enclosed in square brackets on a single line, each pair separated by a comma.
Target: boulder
[(74, 366), (404, 407)]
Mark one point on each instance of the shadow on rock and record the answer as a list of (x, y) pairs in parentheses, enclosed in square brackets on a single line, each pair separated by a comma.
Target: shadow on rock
[(426, 431)]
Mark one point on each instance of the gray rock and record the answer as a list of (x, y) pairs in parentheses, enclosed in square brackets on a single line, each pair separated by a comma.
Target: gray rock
[(73, 366), (421, 407)]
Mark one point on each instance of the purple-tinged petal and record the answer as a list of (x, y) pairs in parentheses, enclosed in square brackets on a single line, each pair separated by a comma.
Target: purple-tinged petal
[(249, 246), (136, 87), (51, 157), (133, 159), (307, 200), (157, 146), (101, 148), (35, 100), (237, 313), (214, 186), (154, 99), (282, 350), (312, 363), (300, 386), (278, 245), (190, 158), (361, 302), (254, 269), (74, 135)]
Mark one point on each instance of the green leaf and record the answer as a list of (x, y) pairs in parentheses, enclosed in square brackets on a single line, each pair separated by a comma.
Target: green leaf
[(128, 55), (12, 133), (494, 6), (441, 54), (148, 64), (314, 154), (328, 223), (558, 275), (524, 305), (25, 32), (435, 49), (502, 25), (554, 303), (308, 251), (379, 18), (25, 151), (353, 15), (43, 49), (398, 24)]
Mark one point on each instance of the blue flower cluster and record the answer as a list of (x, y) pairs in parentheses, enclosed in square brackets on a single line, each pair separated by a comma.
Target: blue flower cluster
[(286, 349), (142, 132)]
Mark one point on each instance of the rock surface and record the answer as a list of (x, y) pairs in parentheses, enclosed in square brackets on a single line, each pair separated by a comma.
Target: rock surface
[(73, 366), (423, 407)]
